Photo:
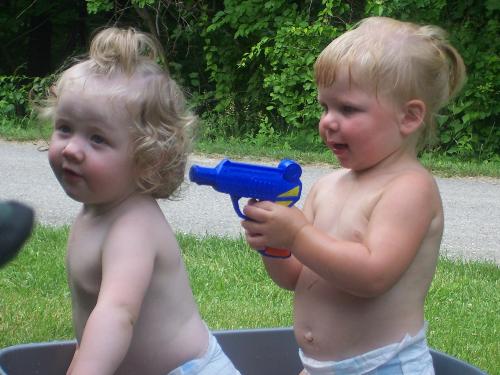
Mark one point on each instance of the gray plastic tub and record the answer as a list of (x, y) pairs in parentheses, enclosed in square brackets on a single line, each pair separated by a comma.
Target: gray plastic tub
[(253, 351)]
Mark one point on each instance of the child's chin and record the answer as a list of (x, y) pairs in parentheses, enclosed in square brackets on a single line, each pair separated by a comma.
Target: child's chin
[(74, 195)]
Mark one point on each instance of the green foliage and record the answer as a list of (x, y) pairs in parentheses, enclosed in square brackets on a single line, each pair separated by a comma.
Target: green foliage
[(143, 3), (260, 54), (248, 63), (17, 119), (178, 27), (472, 129), (406, 9), (95, 6), (16, 93), (259, 57), (291, 55), (13, 96), (469, 127)]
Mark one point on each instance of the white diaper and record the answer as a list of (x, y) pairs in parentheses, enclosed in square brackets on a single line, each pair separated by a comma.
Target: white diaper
[(213, 362), (411, 356)]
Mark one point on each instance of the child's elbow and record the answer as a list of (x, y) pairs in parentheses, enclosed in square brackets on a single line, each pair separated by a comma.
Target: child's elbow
[(374, 286), (284, 273), (125, 314), (285, 283), (374, 290)]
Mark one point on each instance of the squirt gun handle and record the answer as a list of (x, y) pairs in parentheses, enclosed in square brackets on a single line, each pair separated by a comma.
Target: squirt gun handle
[(279, 184)]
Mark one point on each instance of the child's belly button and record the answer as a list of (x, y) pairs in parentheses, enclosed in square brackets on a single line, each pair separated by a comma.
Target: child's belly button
[(309, 336)]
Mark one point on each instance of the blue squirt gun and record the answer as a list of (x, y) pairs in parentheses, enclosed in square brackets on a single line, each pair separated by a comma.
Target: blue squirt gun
[(279, 184)]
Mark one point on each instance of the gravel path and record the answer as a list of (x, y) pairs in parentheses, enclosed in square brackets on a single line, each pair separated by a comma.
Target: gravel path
[(472, 206)]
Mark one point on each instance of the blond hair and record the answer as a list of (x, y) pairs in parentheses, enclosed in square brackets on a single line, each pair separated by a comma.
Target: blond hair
[(400, 60), (163, 127)]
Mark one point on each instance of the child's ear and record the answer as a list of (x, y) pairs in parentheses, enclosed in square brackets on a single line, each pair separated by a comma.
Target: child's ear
[(413, 116)]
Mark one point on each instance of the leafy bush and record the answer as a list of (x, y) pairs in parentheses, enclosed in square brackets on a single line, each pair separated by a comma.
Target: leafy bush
[(260, 54), (469, 126), (16, 95), (13, 96), (249, 63)]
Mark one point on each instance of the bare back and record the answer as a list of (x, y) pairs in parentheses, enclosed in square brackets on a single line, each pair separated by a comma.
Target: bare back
[(168, 330), (332, 323)]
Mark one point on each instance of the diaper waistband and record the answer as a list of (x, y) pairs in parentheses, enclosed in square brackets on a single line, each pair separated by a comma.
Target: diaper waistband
[(364, 362)]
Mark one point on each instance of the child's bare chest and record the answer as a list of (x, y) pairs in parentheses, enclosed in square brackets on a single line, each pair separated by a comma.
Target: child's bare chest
[(84, 260), (346, 210)]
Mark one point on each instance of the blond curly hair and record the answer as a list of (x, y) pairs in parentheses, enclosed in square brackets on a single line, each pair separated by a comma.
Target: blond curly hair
[(163, 127)]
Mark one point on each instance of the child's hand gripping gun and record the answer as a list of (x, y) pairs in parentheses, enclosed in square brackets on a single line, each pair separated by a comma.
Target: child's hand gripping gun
[(280, 184)]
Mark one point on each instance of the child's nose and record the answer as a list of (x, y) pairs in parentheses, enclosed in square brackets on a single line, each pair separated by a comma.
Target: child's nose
[(330, 122), (74, 150)]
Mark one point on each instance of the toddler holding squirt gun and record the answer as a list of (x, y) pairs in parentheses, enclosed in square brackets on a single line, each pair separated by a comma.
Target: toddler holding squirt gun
[(365, 246), (279, 184)]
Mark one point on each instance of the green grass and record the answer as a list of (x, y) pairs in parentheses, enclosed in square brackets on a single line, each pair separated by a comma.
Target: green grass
[(24, 130), (463, 309), (233, 291), (34, 302)]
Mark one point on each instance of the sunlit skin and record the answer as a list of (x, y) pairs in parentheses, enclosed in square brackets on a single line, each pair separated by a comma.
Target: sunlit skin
[(130, 292), (363, 253), (90, 150), (348, 125)]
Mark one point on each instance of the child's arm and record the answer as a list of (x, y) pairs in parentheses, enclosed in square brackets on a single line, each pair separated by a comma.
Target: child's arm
[(127, 266), (284, 272), (396, 227)]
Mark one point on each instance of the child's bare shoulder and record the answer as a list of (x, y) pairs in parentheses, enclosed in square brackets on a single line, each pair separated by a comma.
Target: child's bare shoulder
[(414, 187), (414, 179), (142, 208), (330, 178), (141, 219)]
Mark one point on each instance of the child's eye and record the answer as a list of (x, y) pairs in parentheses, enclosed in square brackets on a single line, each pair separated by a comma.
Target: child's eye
[(97, 139), (349, 110), (63, 128)]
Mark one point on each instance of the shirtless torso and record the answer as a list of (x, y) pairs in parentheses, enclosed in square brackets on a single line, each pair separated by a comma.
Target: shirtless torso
[(331, 322), (168, 330)]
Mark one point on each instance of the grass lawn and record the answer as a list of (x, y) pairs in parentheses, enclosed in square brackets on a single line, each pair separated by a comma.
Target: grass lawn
[(233, 291)]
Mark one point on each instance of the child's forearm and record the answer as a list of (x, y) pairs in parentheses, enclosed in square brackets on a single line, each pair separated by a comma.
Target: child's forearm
[(284, 272), (105, 342), (348, 265)]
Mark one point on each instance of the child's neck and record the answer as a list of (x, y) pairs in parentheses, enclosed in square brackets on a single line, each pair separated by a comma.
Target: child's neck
[(403, 159), (107, 208)]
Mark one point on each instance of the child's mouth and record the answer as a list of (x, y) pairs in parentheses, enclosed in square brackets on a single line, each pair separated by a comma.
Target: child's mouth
[(69, 174), (340, 147)]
